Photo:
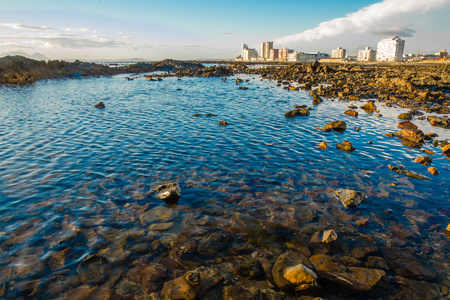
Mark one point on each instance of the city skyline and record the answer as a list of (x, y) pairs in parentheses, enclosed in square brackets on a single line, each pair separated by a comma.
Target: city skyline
[(203, 30)]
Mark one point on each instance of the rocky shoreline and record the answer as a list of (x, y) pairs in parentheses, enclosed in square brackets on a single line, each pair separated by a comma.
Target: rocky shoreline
[(271, 250)]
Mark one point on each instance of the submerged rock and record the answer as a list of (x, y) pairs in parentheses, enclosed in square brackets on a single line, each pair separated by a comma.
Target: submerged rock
[(326, 236), (412, 174), (353, 278), (150, 277), (93, 269), (157, 214), (349, 198)]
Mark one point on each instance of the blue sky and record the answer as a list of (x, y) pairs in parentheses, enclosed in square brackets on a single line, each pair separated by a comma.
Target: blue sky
[(215, 29)]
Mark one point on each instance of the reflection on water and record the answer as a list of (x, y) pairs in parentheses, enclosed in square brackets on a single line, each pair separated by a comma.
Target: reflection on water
[(77, 181)]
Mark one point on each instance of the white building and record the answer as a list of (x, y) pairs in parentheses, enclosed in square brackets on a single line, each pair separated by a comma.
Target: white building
[(338, 53), (265, 50), (247, 54), (390, 49), (367, 54)]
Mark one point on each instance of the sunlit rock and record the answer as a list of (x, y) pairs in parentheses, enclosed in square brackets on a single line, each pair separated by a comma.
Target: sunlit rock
[(292, 269), (369, 106), (349, 198), (345, 146), (424, 160), (326, 236), (339, 126)]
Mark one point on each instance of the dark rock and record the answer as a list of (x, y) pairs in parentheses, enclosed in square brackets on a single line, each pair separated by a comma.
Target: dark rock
[(433, 171), (223, 123), (404, 262), (250, 269), (353, 278), (168, 191), (377, 262), (297, 112), (150, 277), (214, 243), (316, 99), (236, 293), (100, 105), (339, 126), (93, 269), (417, 290), (424, 160)]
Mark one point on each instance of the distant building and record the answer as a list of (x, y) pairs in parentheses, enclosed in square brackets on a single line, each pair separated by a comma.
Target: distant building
[(273, 55), (390, 49), (283, 53), (338, 53), (306, 57), (248, 54), (265, 50), (441, 54), (367, 54)]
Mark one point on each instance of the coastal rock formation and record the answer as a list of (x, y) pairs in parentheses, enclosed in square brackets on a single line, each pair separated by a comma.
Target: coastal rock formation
[(297, 112), (413, 135), (339, 126)]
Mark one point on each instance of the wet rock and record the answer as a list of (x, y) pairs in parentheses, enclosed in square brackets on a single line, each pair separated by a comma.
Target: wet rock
[(446, 149), (377, 262), (214, 243), (81, 292), (416, 290), (293, 269), (114, 255), (405, 116), (25, 265), (345, 146), (93, 269), (424, 160), (168, 191), (150, 277), (161, 226), (250, 269), (412, 174), (157, 214), (339, 126), (323, 145), (414, 135), (390, 134), (360, 251), (297, 112), (126, 287), (349, 198), (353, 278), (178, 288), (57, 259), (243, 88), (440, 122), (406, 125), (326, 236), (223, 123), (231, 292), (369, 106), (351, 113), (100, 105), (316, 99), (406, 264)]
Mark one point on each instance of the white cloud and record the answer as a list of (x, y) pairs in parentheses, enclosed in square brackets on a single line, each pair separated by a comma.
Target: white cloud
[(364, 19), (76, 29), (25, 27)]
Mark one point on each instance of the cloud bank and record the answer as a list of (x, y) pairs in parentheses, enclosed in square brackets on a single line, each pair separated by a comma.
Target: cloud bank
[(25, 27), (364, 19)]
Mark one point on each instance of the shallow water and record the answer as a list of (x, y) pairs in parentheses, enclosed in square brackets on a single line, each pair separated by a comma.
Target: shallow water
[(67, 168)]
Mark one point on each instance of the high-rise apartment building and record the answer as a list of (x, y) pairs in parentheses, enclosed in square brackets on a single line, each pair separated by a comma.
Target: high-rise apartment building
[(247, 54), (390, 49), (273, 55), (338, 53), (367, 54), (265, 50)]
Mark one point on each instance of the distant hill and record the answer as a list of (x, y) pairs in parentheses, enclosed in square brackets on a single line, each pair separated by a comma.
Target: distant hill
[(36, 56)]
